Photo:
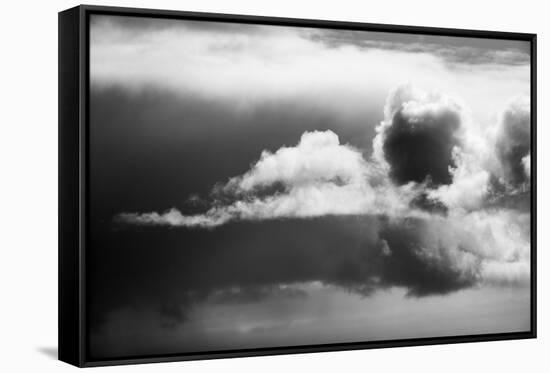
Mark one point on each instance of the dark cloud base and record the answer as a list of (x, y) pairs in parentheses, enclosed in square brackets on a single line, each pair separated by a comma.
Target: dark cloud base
[(420, 149), (167, 272)]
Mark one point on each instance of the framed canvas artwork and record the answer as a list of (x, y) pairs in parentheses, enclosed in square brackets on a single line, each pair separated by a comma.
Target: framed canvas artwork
[(239, 185)]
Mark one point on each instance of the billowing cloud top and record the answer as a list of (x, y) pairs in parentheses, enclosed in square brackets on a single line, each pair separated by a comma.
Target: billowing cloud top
[(318, 158)]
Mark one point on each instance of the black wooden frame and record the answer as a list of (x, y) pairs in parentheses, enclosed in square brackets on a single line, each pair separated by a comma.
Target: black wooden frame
[(73, 182)]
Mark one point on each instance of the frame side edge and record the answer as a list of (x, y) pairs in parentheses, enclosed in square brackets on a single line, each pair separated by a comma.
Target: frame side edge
[(534, 185), (68, 190)]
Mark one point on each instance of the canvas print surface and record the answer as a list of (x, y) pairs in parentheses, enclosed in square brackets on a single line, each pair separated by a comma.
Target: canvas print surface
[(264, 186)]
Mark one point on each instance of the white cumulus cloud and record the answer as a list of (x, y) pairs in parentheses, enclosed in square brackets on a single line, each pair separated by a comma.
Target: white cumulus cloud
[(319, 176), (318, 158)]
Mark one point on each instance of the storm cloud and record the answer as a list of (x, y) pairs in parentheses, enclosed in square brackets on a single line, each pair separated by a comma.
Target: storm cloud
[(418, 135), (437, 234), (424, 202)]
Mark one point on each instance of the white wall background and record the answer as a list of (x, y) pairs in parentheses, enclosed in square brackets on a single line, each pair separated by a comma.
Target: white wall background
[(28, 184)]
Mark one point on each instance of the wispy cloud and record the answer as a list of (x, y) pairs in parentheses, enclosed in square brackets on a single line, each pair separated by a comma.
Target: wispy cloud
[(458, 52)]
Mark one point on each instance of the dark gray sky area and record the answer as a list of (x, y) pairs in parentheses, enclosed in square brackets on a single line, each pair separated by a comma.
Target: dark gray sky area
[(263, 186)]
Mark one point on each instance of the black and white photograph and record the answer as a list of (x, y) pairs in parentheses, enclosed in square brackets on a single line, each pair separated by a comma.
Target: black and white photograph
[(208, 186), (263, 186)]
